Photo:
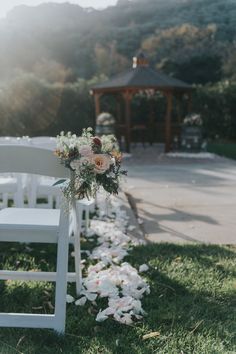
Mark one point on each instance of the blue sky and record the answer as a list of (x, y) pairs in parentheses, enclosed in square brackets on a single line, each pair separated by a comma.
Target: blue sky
[(6, 5)]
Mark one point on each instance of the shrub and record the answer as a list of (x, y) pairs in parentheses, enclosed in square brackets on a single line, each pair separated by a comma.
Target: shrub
[(217, 106), (30, 106)]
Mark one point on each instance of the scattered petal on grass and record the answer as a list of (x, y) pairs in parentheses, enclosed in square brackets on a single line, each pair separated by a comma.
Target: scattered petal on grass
[(151, 335), (69, 299), (101, 316), (109, 278), (143, 268), (81, 301), (90, 296)]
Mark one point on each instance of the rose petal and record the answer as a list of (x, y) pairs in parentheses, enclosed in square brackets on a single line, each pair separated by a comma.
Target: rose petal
[(81, 301), (69, 299), (143, 268)]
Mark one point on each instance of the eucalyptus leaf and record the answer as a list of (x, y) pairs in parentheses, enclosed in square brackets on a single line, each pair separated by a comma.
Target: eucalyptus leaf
[(60, 181)]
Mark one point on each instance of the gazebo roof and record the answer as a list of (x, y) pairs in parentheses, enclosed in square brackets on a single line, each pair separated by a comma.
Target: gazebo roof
[(142, 76)]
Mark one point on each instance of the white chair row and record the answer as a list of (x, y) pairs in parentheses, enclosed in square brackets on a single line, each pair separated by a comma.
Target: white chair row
[(44, 142), (14, 186), (41, 226)]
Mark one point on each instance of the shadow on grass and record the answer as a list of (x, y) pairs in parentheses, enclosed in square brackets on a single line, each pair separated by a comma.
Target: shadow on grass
[(193, 286)]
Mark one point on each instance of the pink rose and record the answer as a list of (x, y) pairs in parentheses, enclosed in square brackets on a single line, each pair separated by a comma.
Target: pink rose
[(101, 163)]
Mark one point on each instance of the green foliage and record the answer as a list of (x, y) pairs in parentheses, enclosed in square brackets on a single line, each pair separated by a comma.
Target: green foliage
[(217, 105), (223, 148), (31, 106), (93, 42), (197, 69)]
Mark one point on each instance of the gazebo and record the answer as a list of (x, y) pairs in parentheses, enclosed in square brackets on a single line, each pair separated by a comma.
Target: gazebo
[(142, 78)]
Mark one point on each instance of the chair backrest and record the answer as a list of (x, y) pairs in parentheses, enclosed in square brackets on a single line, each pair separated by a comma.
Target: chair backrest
[(33, 160), (43, 139), (10, 140), (44, 142)]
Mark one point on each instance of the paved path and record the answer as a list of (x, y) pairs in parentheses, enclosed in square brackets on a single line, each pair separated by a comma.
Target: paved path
[(181, 200)]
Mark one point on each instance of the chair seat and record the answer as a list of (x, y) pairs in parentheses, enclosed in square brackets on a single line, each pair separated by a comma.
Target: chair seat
[(8, 184), (22, 219), (29, 225)]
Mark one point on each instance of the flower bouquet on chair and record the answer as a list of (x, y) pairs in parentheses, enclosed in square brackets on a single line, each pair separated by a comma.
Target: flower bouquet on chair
[(191, 133), (94, 162)]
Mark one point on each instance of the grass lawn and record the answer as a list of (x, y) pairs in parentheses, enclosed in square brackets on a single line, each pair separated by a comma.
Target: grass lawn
[(192, 305), (223, 149)]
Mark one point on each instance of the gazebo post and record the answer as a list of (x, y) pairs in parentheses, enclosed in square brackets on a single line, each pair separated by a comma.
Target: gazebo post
[(141, 78), (118, 115), (127, 97), (178, 108), (97, 103), (118, 108), (168, 121), (151, 123), (190, 102)]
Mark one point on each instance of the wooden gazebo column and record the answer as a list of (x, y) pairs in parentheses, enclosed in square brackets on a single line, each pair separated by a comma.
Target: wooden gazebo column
[(127, 98), (190, 102), (169, 97), (97, 103)]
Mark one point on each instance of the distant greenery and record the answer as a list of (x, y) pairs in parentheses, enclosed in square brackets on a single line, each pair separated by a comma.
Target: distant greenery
[(193, 314), (47, 66), (217, 104), (224, 149), (30, 106)]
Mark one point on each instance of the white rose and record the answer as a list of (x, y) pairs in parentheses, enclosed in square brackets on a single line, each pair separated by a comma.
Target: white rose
[(85, 150)]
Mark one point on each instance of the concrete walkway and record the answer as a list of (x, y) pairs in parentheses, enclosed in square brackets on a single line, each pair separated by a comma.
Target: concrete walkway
[(183, 200)]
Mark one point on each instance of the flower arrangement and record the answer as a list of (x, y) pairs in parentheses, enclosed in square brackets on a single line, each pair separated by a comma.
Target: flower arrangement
[(94, 161), (105, 118), (193, 120)]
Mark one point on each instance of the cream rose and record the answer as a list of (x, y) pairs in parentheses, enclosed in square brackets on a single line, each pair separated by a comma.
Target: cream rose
[(101, 163)]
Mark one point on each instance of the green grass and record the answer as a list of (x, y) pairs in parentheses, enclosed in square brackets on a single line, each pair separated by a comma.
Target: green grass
[(223, 149), (192, 304)]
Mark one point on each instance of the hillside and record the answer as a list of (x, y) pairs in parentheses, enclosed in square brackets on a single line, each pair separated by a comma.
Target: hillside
[(191, 39)]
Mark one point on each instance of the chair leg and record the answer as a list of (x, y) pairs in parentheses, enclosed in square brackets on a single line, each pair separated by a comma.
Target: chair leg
[(58, 202), (77, 211), (86, 220), (50, 202), (19, 195), (61, 276), (5, 200), (32, 192)]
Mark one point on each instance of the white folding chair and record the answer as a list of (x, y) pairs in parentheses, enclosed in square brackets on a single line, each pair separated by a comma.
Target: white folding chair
[(85, 206), (41, 226), (11, 185), (42, 186)]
